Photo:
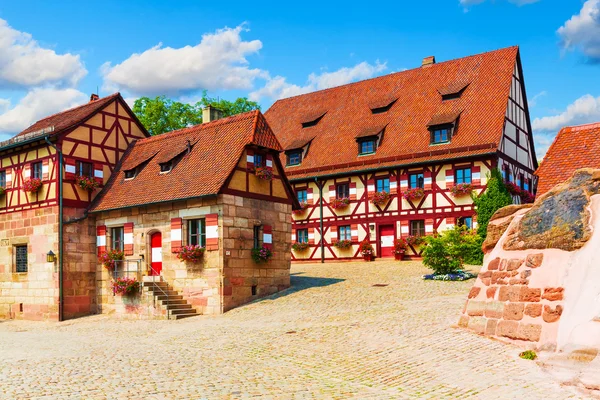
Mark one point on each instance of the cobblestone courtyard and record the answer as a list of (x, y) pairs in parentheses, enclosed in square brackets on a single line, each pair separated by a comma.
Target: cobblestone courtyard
[(333, 335)]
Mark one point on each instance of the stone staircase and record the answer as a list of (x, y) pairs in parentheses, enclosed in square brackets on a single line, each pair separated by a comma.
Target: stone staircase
[(168, 299)]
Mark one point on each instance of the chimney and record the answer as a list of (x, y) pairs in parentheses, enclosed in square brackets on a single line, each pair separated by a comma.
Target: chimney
[(210, 113), (428, 61), (94, 97)]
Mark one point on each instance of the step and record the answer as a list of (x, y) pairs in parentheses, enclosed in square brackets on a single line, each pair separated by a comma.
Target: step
[(172, 302), (156, 278), (181, 316), (152, 285), (178, 306), (170, 297), (182, 311)]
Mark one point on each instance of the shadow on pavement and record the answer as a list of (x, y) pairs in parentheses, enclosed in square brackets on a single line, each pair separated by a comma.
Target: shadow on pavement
[(299, 283)]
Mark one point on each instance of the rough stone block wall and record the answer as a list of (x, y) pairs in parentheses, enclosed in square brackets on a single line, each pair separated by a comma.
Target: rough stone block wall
[(240, 272), (32, 295)]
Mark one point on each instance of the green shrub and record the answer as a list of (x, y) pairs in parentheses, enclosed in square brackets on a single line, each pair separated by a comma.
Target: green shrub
[(470, 248), (495, 197), (447, 252), (528, 355)]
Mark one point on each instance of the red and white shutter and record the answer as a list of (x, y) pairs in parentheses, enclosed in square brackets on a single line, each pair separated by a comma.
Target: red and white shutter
[(212, 231), (309, 196), (311, 235), (393, 184), (371, 186), (404, 229), (427, 180), (101, 239), (99, 173), (352, 190), (70, 169), (128, 239), (403, 182), (268, 237), (294, 238), (476, 176), (354, 232), (428, 226), (269, 162), (45, 169), (449, 178), (331, 192), (334, 235), (474, 221), (450, 222), (26, 171), (176, 234), (250, 160), (8, 178)]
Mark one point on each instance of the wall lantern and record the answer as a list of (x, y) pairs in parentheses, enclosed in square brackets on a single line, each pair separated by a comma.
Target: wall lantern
[(50, 257)]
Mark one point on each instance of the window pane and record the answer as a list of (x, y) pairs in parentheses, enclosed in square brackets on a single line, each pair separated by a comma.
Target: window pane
[(21, 258), (258, 160), (294, 158), (302, 196), (383, 185), (196, 232), (345, 233), (2, 178), (117, 238), (36, 170), (368, 146), (302, 236), (343, 191)]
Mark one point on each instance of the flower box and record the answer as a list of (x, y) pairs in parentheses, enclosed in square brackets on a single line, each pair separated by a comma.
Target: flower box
[(86, 183), (32, 185), (264, 173), (191, 254), (399, 248), (512, 188), (380, 198), (110, 258), (300, 246), (343, 244), (526, 197), (413, 194), (302, 209), (126, 286), (415, 240), (341, 203), (261, 255), (462, 189)]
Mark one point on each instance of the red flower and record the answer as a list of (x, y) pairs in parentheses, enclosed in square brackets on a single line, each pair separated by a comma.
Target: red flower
[(413, 194), (340, 203), (86, 183), (461, 189), (32, 185), (264, 173), (191, 253), (380, 198)]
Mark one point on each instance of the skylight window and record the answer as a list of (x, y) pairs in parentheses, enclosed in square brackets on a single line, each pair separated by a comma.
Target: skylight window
[(130, 173)]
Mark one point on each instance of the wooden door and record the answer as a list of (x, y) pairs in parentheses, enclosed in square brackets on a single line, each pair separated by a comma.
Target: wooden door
[(156, 253), (387, 235)]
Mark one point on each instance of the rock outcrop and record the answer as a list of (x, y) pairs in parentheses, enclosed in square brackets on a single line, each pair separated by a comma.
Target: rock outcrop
[(540, 282)]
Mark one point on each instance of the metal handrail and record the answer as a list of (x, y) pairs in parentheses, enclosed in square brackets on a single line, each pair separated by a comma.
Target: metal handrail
[(126, 272), (155, 273)]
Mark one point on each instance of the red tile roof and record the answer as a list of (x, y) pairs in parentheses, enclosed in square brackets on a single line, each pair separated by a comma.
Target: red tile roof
[(482, 107), (574, 147), (216, 149)]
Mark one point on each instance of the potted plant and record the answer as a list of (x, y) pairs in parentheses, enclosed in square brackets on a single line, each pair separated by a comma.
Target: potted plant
[(413, 194), (343, 244), (86, 183), (300, 211), (261, 255), (366, 249), (191, 253), (32, 185), (109, 259), (399, 248), (380, 198), (461, 189), (414, 240), (126, 286), (264, 173), (300, 246), (339, 203)]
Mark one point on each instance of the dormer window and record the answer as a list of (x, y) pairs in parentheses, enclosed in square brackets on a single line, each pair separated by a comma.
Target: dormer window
[(166, 167), (294, 157), (367, 146), (312, 120), (379, 109), (130, 173), (453, 90), (441, 134)]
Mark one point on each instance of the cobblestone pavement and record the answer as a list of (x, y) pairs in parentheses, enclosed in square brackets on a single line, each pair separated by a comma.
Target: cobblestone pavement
[(333, 335)]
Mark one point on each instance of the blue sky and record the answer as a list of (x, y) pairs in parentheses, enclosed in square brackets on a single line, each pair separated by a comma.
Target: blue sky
[(54, 54)]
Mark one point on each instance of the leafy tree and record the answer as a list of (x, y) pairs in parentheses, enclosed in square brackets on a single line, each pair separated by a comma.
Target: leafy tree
[(495, 197), (160, 114), (443, 252)]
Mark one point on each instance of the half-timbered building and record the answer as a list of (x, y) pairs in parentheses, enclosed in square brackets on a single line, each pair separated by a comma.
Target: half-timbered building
[(398, 155)]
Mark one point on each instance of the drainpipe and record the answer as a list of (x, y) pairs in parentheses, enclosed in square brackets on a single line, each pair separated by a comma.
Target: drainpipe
[(321, 220), (60, 230)]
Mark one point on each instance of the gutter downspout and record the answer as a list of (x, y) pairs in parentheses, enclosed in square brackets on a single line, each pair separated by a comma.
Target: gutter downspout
[(60, 230), (321, 220)]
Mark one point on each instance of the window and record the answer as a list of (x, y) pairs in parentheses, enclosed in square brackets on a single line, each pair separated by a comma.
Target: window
[(130, 173), (440, 135), (383, 185), (302, 235), (3, 179), (344, 233), (295, 158), (84, 169), (197, 232), (379, 110), (417, 228), (166, 167), (21, 258), (257, 237), (117, 238), (526, 185), (521, 181), (302, 197), (462, 175), (259, 160), (342, 191), (367, 146), (417, 181), (308, 124), (465, 221), (36, 170)]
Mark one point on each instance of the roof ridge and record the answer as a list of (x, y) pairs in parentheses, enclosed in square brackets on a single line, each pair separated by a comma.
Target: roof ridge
[(400, 72), (76, 107), (590, 125)]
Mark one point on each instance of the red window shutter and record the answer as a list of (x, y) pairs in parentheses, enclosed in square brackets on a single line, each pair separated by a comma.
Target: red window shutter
[(371, 186), (70, 170), (250, 160), (352, 190), (45, 169), (269, 162), (8, 178), (128, 239), (176, 234), (99, 173), (268, 237), (404, 228), (427, 180), (449, 178), (294, 238), (476, 174), (27, 172), (450, 222), (428, 226), (403, 183), (309, 196), (354, 229), (101, 239), (212, 231), (332, 194), (334, 235), (311, 235)]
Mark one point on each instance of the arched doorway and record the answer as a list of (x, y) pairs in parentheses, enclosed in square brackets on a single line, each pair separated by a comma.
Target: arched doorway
[(156, 253)]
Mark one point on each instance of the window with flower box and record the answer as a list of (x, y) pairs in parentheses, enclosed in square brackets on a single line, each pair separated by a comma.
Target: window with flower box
[(527, 184), (383, 185), (259, 160), (342, 191), (36, 170), (465, 221), (417, 181), (196, 232), (117, 238), (417, 227), (302, 196), (258, 237), (302, 235), (84, 169), (462, 175), (345, 232)]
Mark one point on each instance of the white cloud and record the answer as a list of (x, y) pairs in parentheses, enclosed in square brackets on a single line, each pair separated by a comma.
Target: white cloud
[(23, 63), (278, 88), (37, 104), (533, 101), (218, 62), (582, 31)]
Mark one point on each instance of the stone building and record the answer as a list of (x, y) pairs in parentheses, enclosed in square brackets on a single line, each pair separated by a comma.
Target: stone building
[(418, 141)]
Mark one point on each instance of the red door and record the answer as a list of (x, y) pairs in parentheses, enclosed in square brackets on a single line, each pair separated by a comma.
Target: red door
[(156, 254), (386, 240)]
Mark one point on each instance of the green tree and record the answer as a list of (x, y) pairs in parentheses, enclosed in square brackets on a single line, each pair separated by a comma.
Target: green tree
[(495, 197), (161, 114)]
